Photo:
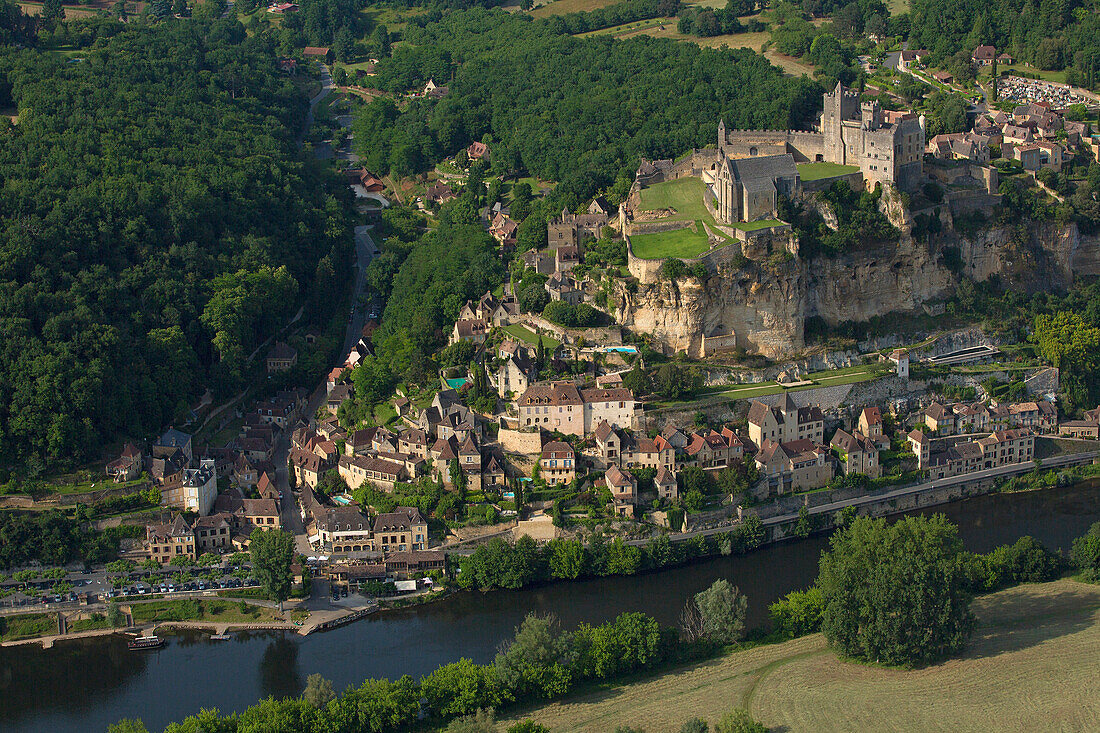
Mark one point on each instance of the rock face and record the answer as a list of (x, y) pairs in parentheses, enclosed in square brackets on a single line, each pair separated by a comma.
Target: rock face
[(766, 302)]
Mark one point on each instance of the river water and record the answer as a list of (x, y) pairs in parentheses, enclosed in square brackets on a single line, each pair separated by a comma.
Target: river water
[(86, 685)]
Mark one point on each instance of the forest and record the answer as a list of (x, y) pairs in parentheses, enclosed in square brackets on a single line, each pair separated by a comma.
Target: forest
[(580, 111), (158, 222)]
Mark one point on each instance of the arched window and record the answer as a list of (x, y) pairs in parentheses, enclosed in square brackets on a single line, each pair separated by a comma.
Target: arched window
[(753, 151)]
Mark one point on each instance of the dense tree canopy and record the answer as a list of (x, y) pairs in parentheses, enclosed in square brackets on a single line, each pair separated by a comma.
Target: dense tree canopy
[(157, 223), (896, 593), (576, 110), (1050, 34)]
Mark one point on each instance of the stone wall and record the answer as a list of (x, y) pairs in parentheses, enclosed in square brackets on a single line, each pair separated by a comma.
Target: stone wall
[(520, 441)]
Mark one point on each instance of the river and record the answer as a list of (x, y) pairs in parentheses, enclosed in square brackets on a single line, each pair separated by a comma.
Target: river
[(86, 685)]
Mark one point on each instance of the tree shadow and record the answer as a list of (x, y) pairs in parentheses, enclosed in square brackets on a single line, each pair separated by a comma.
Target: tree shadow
[(1010, 622)]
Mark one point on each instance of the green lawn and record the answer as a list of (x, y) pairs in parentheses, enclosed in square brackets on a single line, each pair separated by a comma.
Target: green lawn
[(752, 226), (833, 378), (678, 243), (1045, 75), (27, 626), (192, 610), (683, 194), (525, 334), (817, 171)]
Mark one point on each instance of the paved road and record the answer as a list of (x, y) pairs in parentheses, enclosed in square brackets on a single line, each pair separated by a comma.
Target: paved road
[(1015, 469)]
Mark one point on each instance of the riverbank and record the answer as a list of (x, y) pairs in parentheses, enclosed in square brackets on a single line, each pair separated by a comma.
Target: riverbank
[(92, 683), (1031, 662)]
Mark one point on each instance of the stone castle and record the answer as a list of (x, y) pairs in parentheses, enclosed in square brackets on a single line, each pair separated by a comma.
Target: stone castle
[(754, 166)]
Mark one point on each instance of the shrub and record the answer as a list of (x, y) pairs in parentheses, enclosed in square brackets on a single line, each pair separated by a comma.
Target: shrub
[(798, 613), (1086, 553)]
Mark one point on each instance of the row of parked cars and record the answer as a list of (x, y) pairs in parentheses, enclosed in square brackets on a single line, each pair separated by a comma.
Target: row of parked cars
[(142, 589)]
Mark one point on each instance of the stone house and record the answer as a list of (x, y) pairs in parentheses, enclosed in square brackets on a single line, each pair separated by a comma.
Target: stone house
[(870, 424), (665, 483), (196, 489), (213, 533), (786, 422), (402, 530), (557, 463), (572, 229), (281, 358), (793, 466), (984, 55), (564, 288), (358, 470), (166, 541), (308, 467), (127, 466), (856, 452), (624, 489), (475, 330)]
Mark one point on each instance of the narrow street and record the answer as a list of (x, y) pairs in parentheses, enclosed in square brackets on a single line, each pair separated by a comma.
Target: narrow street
[(364, 252)]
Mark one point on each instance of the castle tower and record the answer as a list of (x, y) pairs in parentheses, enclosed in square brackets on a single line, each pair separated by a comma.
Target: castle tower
[(839, 105), (721, 135)]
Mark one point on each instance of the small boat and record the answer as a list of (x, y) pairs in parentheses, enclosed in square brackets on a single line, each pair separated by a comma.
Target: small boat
[(145, 642), (219, 637)]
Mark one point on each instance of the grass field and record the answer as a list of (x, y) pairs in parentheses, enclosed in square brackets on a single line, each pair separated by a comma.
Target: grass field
[(191, 610), (897, 7), (1031, 665), (834, 378), (684, 243), (562, 7), (683, 194), (817, 171), (752, 226), (27, 626), (528, 336)]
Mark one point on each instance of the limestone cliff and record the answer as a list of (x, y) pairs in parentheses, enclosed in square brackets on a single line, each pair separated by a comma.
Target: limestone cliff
[(766, 302)]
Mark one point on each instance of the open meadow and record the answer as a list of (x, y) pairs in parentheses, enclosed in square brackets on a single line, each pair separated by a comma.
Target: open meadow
[(1031, 665)]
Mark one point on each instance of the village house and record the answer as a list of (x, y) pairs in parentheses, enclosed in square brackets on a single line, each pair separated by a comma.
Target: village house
[(558, 463), (405, 564), (573, 229), (248, 514), (568, 256), (561, 406), (127, 466), (213, 533), (358, 470), (173, 440), (541, 262), (856, 452), (195, 490), (166, 541), (984, 55), (504, 229), (562, 287), (440, 193), (920, 444), (624, 490), (870, 424), (281, 357), (786, 422), (907, 59), (474, 330), (338, 528), (665, 483), (402, 530), (308, 467), (1000, 448), (477, 151), (792, 466), (960, 146)]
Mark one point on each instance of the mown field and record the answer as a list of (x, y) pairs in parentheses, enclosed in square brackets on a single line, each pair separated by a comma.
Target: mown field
[(1031, 666)]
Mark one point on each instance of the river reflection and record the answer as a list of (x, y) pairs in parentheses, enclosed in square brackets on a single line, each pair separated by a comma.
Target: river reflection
[(88, 685)]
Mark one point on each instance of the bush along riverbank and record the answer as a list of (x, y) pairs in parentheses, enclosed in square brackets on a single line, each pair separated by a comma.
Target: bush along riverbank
[(920, 557), (499, 564)]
